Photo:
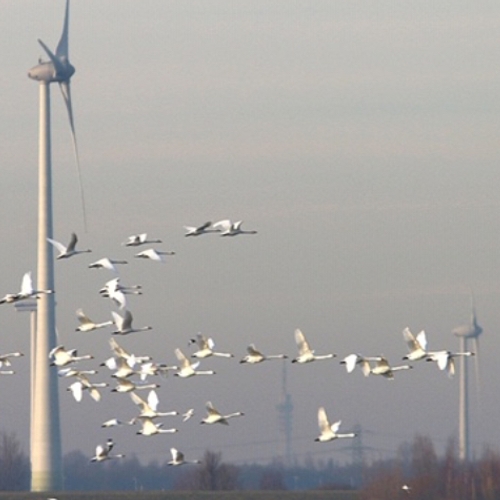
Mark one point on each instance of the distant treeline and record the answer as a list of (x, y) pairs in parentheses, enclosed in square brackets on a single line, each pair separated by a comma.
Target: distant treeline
[(416, 473)]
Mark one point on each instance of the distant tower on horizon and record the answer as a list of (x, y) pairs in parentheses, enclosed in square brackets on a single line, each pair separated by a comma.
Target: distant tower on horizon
[(285, 417), (358, 459)]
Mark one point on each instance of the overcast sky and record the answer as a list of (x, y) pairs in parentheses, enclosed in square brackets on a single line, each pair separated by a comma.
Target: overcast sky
[(359, 138)]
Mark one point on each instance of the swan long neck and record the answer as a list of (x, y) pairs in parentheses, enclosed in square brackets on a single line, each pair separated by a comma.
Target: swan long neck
[(231, 415), (325, 356)]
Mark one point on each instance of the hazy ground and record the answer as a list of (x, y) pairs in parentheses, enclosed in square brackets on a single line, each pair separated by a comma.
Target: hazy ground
[(216, 495)]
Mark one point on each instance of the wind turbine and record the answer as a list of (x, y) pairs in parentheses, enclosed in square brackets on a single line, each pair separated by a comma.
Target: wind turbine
[(46, 461), (471, 331)]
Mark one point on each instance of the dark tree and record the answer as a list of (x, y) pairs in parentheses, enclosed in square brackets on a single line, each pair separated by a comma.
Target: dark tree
[(212, 474), (14, 464)]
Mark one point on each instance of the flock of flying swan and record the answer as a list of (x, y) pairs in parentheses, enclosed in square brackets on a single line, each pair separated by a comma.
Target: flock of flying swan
[(126, 366)]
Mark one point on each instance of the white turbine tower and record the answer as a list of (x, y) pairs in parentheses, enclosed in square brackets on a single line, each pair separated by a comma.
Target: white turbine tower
[(471, 331), (46, 461)]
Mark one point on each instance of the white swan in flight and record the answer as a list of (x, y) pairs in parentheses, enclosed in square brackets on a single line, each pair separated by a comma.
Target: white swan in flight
[(106, 263), (383, 368), (417, 345), (306, 354), (139, 239), (65, 252), (63, 357), (115, 284), (124, 324), (103, 452), (150, 369), (74, 372), (149, 428), (215, 417), (445, 360), (122, 367), (197, 231), (254, 356), (206, 347), (187, 415), (228, 228), (149, 408), (120, 352), (115, 422), (125, 385), (116, 292), (152, 254), (83, 383), (178, 458), (329, 432), (5, 358), (187, 369), (27, 291), (352, 360), (87, 325)]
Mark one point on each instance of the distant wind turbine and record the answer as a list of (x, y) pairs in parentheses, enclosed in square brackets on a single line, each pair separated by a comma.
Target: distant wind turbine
[(46, 457), (471, 331)]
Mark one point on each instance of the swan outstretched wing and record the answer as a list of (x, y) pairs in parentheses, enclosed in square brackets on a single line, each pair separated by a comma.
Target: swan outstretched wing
[(100, 450), (76, 389), (182, 358), (27, 284), (382, 362), (422, 340), (441, 358), (57, 245), (223, 225), (202, 341), (301, 342), (138, 400), (72, 243), (211, 409), (350, 362), (117, 320), (410, 339), (324, 425), (83, 318), (127, 320), (153, 400), (253, 351), (335, 426)]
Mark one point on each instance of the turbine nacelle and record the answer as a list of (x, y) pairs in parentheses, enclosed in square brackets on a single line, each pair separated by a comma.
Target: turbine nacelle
[(471, 330), (46, 72), (467, 331), (58, 69)]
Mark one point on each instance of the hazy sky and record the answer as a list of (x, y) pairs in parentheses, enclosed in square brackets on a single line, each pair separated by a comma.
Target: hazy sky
[(359, 138)]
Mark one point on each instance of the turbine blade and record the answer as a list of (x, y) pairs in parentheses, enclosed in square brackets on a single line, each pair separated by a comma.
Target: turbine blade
[(66, 93), (62, 46), (472, 308), (55, 61)]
